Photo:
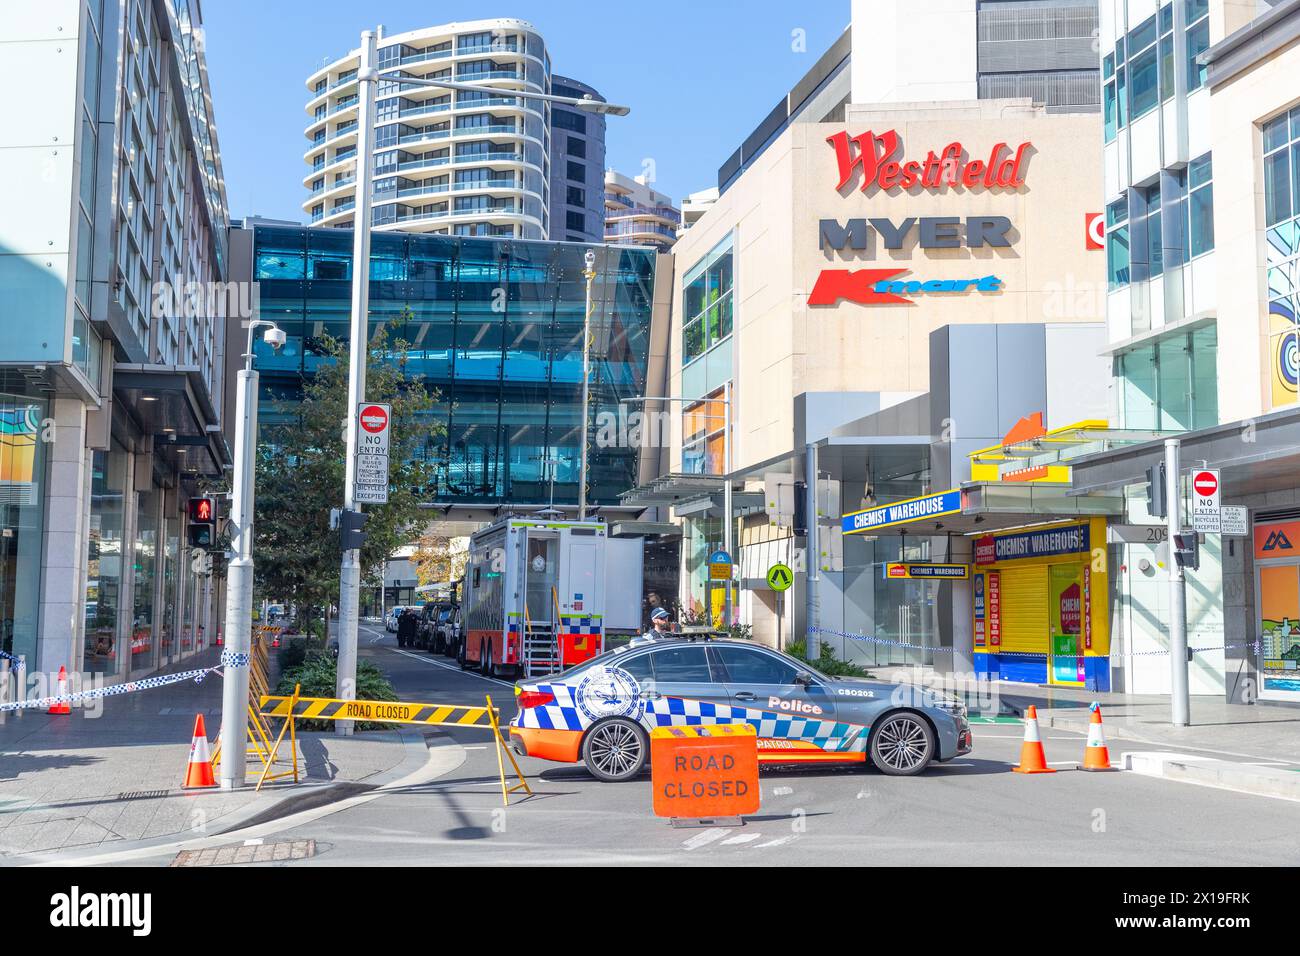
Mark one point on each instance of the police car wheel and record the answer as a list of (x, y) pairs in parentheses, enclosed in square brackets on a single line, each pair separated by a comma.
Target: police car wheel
[(615, 750), (460, 657), (902, 744)]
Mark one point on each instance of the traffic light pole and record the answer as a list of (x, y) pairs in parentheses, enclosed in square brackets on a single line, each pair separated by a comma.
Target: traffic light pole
[(1179, 702), (350, 566)]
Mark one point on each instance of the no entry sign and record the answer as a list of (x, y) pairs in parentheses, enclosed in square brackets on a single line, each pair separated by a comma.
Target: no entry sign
[(1207, 501), (371, 465)]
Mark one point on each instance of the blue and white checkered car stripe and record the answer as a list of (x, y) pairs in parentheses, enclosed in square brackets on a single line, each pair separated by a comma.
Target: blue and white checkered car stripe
[(829, 735)]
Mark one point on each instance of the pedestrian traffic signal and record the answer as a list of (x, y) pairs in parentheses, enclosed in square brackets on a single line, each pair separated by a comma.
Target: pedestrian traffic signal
[(1187, 550), (1156, 491), (203, 511), (201, 535), (351, 533)]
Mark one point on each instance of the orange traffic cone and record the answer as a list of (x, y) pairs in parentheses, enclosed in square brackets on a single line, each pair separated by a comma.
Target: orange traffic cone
[(275, 641), (1095, 755), (1032, 758), (219, 640), (62, 706), (199, 771)]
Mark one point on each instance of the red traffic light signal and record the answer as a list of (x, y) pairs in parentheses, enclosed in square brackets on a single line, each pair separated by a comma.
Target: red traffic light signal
[(203, 511)]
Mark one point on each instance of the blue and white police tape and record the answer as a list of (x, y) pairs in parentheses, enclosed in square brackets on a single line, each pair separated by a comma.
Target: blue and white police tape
[(234, 659), (6, 656), (867, 639), (145, 683)]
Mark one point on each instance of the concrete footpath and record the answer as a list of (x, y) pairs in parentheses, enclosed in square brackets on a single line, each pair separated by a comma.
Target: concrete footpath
[(1254, 748), (87, 781)]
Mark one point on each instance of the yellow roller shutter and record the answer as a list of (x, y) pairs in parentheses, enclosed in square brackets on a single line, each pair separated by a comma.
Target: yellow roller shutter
[(1024, 609)]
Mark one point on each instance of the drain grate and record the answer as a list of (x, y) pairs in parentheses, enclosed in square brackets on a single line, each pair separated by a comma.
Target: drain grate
[(142, 794), (247, 853)]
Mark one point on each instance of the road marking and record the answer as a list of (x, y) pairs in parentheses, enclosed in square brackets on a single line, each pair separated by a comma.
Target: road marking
[(782, 791), (448, 667), (742, 838), (777, 842), (708, 836)]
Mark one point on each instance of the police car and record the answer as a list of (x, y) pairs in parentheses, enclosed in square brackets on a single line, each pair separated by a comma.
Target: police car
[(601, 712)]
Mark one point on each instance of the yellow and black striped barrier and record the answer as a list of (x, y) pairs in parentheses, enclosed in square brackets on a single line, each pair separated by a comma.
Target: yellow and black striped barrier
[(393, 712), (399, 712)]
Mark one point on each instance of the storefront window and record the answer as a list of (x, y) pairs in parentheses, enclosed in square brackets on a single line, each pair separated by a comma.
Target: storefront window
[(704, 437), (104, 560), (707, 302), (22, 471), (1117, 244), (143, 647), (1171, 384), (167, 613)]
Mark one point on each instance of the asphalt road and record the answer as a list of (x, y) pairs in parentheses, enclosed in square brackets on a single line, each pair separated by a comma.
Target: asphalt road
[(970, 811)]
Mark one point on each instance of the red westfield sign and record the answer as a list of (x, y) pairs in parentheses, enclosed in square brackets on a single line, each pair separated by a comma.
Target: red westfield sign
[(875, 155)]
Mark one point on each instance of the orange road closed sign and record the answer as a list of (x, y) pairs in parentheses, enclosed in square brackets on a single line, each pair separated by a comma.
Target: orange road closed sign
[(704, 771)]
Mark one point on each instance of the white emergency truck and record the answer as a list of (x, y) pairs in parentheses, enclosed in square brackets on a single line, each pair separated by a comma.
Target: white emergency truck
[(543, 593)]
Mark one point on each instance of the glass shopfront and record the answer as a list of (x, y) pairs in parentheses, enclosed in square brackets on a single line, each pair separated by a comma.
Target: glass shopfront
[(22, 476), (170, 575), (104, 561), (144, 647)]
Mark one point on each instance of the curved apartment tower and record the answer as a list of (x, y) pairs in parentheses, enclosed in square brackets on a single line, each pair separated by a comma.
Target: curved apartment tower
[(446, 161)]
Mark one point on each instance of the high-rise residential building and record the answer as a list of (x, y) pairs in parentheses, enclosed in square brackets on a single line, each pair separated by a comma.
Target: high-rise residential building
[(457, 162), (112, 268), (577, 166), (638, 214)]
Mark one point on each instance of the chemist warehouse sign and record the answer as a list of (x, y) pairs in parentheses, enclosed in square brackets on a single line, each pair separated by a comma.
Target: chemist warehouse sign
[(901, 512), (877, 161)]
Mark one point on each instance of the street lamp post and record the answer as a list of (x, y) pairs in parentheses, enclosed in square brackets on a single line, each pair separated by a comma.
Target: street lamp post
[(727, 539), (367, 77), (350, 564), (588, 273), (239, 580)]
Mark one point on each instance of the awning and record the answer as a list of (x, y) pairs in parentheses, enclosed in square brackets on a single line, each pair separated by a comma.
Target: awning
[(1255, 457), (172, 404), (671, 489)]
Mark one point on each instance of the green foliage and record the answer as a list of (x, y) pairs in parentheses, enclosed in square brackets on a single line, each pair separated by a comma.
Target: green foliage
[(300, 473), (318, 675), (293, 654), (826, 661)]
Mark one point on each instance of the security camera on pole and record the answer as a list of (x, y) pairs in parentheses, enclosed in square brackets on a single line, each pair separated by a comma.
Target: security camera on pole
[(239, 577)]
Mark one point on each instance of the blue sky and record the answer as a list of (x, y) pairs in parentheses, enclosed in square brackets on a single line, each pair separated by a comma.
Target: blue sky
[(698, 74)]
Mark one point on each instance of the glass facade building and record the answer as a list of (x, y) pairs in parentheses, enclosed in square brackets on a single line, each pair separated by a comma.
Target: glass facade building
[(495, 328)]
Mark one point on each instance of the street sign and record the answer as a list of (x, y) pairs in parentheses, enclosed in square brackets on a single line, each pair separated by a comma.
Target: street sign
[(373, 426), (1206, 495), (1235, 520), (719, 566), (779, 577), (910, 571)]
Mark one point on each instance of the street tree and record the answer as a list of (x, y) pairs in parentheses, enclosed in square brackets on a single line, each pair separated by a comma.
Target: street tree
[(300, 474), (439, 558)]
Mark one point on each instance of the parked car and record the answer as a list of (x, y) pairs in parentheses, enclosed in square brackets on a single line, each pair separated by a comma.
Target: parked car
[(430, 619), (451, 633)]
